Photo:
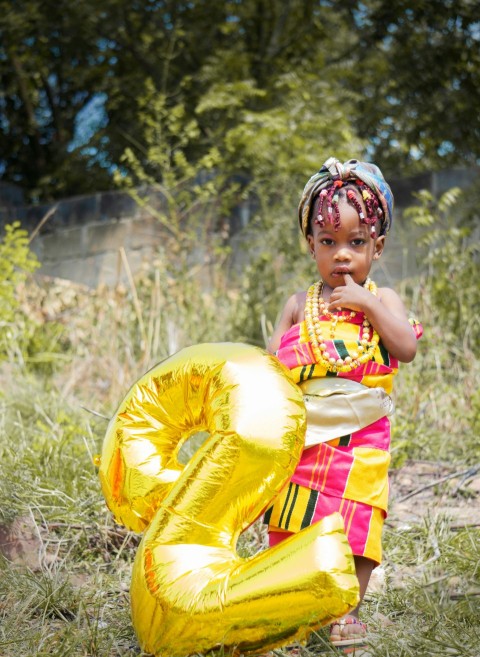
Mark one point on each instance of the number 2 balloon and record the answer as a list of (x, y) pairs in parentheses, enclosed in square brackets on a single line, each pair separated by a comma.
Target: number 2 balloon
[(191, 592)]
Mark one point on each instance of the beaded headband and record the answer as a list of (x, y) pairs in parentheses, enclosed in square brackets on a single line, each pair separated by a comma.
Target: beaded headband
[(351, 170)]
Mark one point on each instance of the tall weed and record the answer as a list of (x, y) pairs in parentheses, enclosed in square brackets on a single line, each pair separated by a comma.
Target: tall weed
[(438, 407)]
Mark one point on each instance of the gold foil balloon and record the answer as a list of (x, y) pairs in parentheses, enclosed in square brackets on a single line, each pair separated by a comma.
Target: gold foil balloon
[(191, 592)]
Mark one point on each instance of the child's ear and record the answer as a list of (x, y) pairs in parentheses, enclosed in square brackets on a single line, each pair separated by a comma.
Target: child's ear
[(311, 245), (379, 246)]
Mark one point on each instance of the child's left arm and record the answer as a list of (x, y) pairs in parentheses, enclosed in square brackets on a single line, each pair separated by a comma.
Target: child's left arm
[(385, 312)]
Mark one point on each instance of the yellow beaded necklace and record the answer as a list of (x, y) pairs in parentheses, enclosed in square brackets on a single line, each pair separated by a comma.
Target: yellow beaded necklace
[(315, 307)]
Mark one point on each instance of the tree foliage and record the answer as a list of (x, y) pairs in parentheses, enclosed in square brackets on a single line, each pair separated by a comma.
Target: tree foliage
[(271, 84), (49, 73), (419, 73)]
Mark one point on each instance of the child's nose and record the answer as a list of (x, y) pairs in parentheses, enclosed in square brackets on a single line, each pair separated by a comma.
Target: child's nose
[(342, 254)]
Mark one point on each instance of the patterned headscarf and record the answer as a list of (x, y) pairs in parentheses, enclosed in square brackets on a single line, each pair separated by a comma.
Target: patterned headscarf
[(351, 170)]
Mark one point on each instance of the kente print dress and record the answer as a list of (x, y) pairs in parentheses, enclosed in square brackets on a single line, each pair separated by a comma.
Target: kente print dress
[(347, 473)]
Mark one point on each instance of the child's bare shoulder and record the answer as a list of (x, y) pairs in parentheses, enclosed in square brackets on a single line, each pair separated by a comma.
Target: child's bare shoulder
[(292, 313), (387, 293), (295, 306), (391, 299)]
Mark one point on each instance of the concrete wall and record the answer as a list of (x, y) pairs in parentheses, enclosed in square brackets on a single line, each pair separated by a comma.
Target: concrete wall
[(82, 237), (90, 253)]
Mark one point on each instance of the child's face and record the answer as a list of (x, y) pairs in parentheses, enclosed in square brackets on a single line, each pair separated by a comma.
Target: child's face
[(350, 249)]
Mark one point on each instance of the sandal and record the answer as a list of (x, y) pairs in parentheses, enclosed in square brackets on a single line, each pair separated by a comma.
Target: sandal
[(346, 638)]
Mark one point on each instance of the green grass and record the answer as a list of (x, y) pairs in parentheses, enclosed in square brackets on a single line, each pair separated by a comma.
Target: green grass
[(72, 599)]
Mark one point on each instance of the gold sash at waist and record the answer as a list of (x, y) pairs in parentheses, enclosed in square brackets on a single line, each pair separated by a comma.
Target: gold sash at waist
[(338, 407)]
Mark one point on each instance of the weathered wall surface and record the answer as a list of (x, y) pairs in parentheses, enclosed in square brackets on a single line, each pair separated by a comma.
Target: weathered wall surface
[(83, 236), (80, 238)]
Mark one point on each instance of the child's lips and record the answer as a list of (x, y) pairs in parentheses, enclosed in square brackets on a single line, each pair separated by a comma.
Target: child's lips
[(340, 271)]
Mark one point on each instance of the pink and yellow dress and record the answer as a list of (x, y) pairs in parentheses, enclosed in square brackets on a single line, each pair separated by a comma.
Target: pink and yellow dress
[(343, 468)]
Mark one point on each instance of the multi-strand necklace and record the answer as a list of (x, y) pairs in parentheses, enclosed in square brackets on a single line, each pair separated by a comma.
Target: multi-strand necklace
[(316, 307)]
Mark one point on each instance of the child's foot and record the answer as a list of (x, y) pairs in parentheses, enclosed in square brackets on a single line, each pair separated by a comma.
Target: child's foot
[(348, 631)]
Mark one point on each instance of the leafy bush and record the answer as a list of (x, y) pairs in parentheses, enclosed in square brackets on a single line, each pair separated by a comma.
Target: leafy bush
[(17, 262), (450, 252), (438, 410)]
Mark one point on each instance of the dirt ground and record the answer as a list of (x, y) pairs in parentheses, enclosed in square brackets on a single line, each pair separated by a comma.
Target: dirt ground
[(422, 487), (425, 489)]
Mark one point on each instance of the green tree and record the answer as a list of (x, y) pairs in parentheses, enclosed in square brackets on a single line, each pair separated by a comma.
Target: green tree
[(220, 62), (418, 71), (51, 67), (257, 79)]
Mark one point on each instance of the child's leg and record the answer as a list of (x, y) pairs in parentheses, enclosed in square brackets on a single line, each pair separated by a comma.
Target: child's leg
[(364, 568), (353, 629)]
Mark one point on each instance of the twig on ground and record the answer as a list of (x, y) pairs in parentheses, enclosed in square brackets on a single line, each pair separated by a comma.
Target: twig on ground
[(462, 596), (466, 525), (470, 472)]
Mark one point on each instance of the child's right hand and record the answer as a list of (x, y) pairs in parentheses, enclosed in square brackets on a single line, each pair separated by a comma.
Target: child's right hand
[(349, 295)]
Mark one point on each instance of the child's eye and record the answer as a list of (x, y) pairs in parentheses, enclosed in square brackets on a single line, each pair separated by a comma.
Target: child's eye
[(326, 241), (358, 242)]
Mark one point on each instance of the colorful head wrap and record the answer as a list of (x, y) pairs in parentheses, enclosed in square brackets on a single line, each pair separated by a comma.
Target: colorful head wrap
[(351, 170)]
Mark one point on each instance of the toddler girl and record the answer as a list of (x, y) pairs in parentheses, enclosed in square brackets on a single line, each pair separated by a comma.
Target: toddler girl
[(342, 340)]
